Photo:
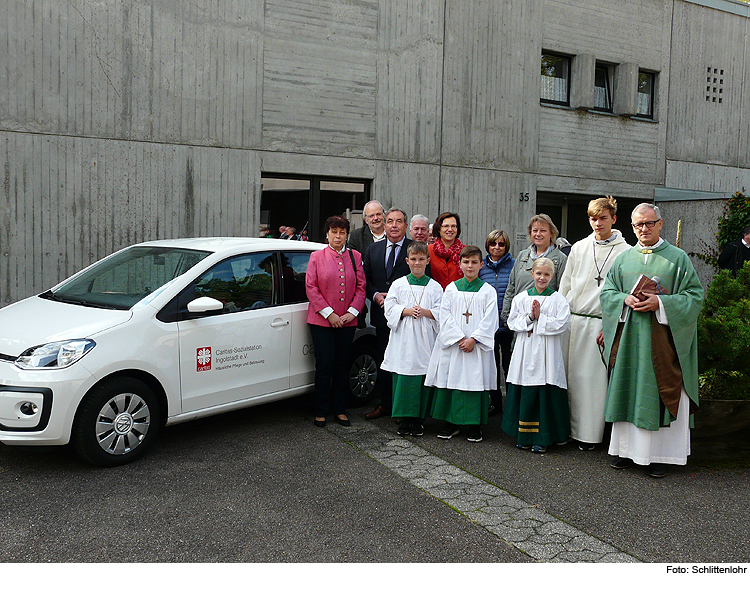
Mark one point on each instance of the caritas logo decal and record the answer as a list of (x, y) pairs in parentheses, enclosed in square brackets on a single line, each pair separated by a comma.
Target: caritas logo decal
[(203, 356)]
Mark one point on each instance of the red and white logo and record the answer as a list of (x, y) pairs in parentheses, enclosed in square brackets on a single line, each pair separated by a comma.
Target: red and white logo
[(203, 355)]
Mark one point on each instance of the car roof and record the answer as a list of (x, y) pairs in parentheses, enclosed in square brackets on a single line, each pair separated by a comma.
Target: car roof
[(233, 243)]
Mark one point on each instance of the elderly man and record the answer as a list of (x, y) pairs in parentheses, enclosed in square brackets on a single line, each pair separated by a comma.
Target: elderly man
[(373, 229), (384, 262), (581, 284), (651, 345), (419, 228), (737, 253)]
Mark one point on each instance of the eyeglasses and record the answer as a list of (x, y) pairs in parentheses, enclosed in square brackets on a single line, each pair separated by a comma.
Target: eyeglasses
[(497, 244), (640, 225)]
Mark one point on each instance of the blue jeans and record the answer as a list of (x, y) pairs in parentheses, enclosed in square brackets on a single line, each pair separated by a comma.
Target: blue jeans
[(332, 350)]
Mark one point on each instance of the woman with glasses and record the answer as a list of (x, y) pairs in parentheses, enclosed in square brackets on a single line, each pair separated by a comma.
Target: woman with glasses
[(496, 271), (542, 234), (445, 252)]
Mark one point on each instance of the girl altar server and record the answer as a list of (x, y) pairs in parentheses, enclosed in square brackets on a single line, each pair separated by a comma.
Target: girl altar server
[(536, 409)]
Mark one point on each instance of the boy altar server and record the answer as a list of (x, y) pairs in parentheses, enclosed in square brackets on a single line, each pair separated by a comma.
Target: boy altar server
[(462, 365), (582, 282), (411, 310)]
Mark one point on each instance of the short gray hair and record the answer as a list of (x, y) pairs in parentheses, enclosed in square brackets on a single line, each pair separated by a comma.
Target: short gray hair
[(418, 217), (650, 206)]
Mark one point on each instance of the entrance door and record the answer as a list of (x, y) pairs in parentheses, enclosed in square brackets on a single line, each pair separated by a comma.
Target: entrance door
[(306, 202), (569, 212)]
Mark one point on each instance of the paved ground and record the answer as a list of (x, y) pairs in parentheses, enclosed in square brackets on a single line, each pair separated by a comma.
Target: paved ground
[(264, 485)]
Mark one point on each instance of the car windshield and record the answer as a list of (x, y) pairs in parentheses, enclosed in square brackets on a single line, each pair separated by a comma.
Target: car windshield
[(121, 281)]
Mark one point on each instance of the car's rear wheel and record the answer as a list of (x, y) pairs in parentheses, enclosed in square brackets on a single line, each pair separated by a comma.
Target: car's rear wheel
[(363, 373), (116, 422)]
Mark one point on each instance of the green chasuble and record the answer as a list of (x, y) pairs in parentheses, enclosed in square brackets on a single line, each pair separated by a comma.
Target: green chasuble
[(463, 285), (421, 281), (633, 394)]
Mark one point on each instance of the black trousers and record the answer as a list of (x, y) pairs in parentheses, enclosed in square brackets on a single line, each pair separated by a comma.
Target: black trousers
[(384, 384), (332, 349)]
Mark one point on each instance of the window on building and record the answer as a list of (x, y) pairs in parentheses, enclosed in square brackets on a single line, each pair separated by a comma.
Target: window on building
[(602, 89), (646, 94), (555, 79)]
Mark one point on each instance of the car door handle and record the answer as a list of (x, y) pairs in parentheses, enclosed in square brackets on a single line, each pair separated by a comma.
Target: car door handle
[(279, 322)]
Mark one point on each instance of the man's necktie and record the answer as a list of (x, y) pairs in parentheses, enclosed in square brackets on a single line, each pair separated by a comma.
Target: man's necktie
[(391, 260)]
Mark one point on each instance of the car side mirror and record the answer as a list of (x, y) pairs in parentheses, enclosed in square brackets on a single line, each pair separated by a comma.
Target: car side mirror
[(204, 304)]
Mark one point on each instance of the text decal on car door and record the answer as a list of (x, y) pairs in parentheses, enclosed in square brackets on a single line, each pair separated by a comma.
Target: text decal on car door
[(203, 355)]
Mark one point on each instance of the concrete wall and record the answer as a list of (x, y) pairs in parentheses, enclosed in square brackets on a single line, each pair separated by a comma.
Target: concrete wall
[(127, 120)]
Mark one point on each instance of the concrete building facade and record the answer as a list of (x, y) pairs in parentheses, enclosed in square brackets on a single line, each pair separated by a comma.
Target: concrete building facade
[(130, 120)]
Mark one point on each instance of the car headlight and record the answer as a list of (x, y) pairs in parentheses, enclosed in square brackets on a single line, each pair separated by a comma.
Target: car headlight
[(54, 355)]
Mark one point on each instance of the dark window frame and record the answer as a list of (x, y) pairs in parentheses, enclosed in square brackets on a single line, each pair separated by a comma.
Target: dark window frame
[(652, 97), (567, 78), (608, 71)]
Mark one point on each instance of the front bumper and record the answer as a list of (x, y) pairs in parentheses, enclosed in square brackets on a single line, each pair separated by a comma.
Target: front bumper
[(37, 407)]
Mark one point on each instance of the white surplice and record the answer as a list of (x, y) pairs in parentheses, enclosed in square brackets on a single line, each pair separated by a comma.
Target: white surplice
[(586, 370), (537, 357), (449, 366), (411, 340)]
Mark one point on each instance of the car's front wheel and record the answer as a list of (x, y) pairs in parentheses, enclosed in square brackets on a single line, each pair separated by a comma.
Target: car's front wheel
[(363, 373), (116, 422)]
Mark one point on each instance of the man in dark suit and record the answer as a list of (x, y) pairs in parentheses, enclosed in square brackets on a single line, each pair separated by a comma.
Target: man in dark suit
[(737, 253), (384, 262), (372, 231)]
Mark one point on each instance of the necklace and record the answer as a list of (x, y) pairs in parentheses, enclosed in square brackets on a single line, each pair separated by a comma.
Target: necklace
[(417, 301), (599, 277), (467, 302)]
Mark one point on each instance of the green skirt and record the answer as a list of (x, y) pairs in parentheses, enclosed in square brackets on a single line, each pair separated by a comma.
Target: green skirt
[(537, 415), (461, 407), (411, 398)]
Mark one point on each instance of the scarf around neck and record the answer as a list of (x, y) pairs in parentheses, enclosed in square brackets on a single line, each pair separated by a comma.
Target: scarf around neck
[(450, 254)]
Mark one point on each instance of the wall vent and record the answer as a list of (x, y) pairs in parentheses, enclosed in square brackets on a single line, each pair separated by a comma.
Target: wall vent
[(714, 85)]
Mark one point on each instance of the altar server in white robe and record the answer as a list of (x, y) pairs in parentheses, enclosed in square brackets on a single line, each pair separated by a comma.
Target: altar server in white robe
[(462, 365), (411, 311), (588, 263), (536, 408)]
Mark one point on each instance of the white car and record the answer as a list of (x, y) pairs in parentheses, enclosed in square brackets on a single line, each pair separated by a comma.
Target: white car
[(156, 334)]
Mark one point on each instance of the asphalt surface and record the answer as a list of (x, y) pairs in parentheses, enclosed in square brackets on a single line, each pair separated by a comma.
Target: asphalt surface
[(265, 485)]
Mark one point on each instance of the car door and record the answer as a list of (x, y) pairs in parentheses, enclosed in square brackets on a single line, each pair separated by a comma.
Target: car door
[(241, 351), (302, 354)]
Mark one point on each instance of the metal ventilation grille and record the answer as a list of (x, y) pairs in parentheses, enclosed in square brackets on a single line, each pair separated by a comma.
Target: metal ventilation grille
[(714, 85)]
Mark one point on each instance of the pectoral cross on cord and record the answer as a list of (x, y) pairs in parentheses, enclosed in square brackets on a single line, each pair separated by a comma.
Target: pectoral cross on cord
[(599, 270), (467, 314)]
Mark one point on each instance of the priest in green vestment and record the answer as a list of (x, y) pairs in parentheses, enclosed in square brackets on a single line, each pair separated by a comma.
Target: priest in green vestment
[(651, 346)]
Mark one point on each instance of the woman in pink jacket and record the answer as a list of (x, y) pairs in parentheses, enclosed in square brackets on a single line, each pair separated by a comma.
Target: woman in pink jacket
[(335, 284)]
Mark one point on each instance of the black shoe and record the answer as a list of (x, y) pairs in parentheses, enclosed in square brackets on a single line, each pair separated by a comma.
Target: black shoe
[(449, 431), (657, 470), (475, 435), (417, 429), (539, 449), (585, 446), (404, 428), (621, 463), (318, 423), (343, 422)]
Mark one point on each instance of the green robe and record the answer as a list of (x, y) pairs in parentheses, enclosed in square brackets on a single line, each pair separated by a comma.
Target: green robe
[(632, 394)]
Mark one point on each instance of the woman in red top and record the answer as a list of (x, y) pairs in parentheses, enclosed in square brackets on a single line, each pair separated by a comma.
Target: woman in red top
[(445, 252), (335, 282)]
